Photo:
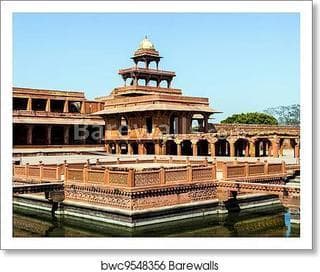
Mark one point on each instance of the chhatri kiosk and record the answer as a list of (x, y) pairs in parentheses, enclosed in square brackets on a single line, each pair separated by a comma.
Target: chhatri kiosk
[(140, 114)]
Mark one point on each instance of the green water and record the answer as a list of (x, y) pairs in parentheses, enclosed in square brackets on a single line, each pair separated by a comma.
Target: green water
[(263, 223)]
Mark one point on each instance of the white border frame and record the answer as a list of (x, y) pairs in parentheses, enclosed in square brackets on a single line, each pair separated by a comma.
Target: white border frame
[(302, 7)]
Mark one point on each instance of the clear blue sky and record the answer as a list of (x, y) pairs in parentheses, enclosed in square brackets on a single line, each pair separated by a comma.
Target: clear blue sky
[(242, 62)]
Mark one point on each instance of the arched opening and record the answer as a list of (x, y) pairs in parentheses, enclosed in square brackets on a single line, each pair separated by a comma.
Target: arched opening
[(19, 103), (134, 147), (57, 105), (123, 128), (163, 84), (197, 123), (39, 104), (152, 83), (142, 82), (203, 149), (174, 124), (74, 107), (263, 147), (123, 148), (141, 64), (39, 135), (171, 147), (287, 147), (241, 148), (149, 147), (152, 65), (57, 135), (222, 148), (186, 148), (19, 134)]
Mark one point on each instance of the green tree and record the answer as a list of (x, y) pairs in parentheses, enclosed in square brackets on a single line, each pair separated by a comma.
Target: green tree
[(250, 118), (286, 115)]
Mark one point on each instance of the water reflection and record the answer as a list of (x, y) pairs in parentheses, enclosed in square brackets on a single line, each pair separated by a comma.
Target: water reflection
[(31, 223)]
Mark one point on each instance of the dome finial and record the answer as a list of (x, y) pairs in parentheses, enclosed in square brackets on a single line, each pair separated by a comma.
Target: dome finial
[(146, 43)]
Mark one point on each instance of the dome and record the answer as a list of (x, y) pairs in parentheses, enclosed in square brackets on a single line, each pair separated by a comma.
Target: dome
[(146, 44)]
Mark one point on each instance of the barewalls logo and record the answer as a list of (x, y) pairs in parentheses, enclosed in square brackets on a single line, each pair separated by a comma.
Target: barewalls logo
[(157, 265)]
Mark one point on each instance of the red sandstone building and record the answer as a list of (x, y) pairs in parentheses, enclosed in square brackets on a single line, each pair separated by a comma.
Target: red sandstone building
[(145, 116)]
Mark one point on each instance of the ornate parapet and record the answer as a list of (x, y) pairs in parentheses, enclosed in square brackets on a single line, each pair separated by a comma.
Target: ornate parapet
[(141, 198)]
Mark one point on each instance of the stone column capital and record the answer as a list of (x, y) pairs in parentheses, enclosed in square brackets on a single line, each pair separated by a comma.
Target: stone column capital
[(275, 139), (231, 140), (213, 140), (194, 141), (178, 141)]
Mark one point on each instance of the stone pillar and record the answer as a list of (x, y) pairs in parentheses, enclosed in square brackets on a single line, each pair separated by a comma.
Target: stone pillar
[(297, 149), (164, 148), (270, 150), (130, 151), (29, 134), (247, 149), (99, 135), (275, 147), (178, 143), (29, 104), (65, 106), (49, 127), (232, 149), (48, 105), (281, 150), (83, 107), (140, 149), (66, 131), (157, 149), (118, 151), (252, 148), (179, 124), (212, 149), (205, 125), (264, 148), (194, 148), (183, 124), (108, 148)]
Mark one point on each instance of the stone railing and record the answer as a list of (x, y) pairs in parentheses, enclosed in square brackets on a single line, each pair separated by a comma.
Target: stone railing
[(54, 114), (122, 176), (144, 88), (155, 159), (145, 70), (141, 178), (249, 171), (38, 172), (150, 98)]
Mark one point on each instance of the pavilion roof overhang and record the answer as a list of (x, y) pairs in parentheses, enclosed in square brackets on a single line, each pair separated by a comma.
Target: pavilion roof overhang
[(144, 73), (157, 107)]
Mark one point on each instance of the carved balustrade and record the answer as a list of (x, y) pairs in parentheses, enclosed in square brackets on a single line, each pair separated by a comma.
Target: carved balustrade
[(251, 171), (37, 172), (131, 177)]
